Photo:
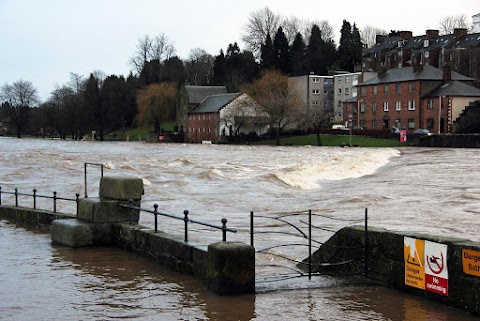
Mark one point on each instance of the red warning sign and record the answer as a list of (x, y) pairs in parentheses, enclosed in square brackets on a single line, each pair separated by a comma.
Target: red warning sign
[(436, 272)]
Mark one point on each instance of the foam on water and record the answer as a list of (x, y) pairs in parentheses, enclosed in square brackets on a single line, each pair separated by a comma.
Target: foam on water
[(309, 175)]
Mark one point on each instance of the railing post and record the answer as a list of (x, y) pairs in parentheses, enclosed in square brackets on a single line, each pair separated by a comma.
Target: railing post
[(365, 267), (16, 197), (85, 178), (54, 202), (130, 203), (155, 212), (224, 229), (309, 244), (251, 229), (185, 219), (77, 197), (34, 199), (0, 195)]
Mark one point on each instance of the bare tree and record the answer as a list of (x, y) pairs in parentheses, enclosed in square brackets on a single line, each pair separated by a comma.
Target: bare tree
[(18, 99), (260, 23), (199, 67), (449, 23), (148, 49), (281, 106), (369, 34), (327, 30)]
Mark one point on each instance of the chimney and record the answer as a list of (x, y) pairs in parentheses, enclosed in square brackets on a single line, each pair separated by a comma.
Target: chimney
[(458, 32), (380, 38), (447, 73), (405, 35), (432, 33)]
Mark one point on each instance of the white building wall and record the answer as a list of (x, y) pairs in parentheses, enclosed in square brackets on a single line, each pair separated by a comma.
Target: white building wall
[(476, 23)]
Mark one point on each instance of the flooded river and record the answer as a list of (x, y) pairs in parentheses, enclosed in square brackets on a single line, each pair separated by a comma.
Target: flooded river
[(412, 189)]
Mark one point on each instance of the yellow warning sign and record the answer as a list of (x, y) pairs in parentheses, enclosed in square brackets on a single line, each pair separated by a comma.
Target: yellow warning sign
[(471, 262), (414, 256)]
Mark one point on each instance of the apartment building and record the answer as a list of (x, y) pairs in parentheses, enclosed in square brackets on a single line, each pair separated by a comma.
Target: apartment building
[(315, 91), (344, 88), (412, 97)]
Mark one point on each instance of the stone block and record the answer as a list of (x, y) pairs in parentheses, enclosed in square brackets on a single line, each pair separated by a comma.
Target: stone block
[(73, 232), (121, 188), (231, 268), (97, 210)]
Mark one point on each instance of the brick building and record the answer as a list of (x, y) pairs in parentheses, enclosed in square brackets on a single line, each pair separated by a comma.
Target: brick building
[(411, 98), (460, 50), (219, 116)]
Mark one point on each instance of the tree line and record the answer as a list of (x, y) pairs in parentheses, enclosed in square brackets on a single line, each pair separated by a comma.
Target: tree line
[(288, 46)]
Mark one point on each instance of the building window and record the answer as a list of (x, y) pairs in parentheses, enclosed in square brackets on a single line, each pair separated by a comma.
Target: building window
[(374, 90), (326, 81), (315, 91), (346, 92), (411, 123), (430, 104), (363, 123), (386, 89), (363, 91), (362, 107), (314, 102), (354, 92), (411, 87), (398, 123), (398, 105), (339, 80), (315, 80), (209, 116), (374, 107), (347, 79), (399, 88), (354, 80), (411, 105), (430, 123), (374, 123), (385, 106), (339, 91)]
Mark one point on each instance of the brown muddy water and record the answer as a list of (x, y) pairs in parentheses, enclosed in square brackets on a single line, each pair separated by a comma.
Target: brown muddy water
[(419, 190)]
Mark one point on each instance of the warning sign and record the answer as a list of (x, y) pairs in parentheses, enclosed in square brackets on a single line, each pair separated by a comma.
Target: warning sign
[(471, 262), (414, 256), (436, 272)]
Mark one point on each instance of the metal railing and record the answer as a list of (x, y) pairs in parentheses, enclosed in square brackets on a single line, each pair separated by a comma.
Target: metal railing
[(85, 165), (34, 196), (185, 219), (295, 231)]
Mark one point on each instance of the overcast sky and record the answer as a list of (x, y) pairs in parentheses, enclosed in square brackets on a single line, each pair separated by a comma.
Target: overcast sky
[(43, 41)]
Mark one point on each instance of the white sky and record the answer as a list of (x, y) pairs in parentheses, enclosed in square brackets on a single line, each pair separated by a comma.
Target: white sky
[(43, 41)]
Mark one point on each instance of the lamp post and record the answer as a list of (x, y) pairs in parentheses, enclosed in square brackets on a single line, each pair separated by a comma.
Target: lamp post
[(350, 129)]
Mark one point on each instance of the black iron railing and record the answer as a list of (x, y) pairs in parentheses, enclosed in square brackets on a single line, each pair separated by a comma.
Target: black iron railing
[(35, 196), (303, 230), (185, 219)]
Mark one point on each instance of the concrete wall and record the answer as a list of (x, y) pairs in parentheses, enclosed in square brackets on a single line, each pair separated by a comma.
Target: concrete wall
[(386, 263)]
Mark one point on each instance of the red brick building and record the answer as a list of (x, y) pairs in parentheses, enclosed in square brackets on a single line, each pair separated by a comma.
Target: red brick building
[(411, 98), (219, 116)]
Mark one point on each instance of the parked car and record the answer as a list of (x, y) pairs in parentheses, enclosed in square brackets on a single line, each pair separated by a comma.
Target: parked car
[(340, 127), (421, 132)]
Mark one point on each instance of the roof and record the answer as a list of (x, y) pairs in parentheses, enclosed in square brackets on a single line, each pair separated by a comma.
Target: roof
[(387, 44), (455, 88), (406, 74), (477, 15), (196, 94), (350, 100), (213, 104), (466, 41)]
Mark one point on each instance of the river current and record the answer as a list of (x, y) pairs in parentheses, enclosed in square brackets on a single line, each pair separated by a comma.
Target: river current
[(409, 189)]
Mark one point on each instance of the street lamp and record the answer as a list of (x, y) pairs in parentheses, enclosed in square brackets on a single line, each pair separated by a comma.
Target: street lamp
[(350, 129)]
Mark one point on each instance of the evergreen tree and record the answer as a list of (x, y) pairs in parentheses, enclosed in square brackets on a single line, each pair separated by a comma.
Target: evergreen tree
[(297, 56), (219, 69), (315, 57), (350, 49), (280, 48), (267, 54)]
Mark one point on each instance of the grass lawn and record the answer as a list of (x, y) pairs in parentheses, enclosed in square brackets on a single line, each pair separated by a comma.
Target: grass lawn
[(335, 140)]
